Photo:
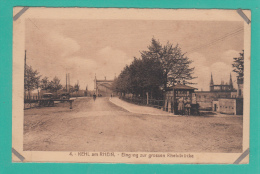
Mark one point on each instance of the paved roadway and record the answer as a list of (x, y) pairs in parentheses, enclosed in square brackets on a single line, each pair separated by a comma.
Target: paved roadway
[(103, 126)]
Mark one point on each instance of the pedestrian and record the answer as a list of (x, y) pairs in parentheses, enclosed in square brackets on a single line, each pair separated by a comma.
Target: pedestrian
[(94, 96), (180, 106), (188, 106)]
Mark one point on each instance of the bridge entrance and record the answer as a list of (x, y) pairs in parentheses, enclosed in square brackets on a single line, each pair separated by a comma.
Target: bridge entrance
[(103, 87)]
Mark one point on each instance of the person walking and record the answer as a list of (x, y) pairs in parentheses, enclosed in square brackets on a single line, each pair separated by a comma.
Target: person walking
[(94, 96)]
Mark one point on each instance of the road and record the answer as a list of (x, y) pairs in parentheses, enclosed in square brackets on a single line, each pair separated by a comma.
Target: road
[(102, 126)]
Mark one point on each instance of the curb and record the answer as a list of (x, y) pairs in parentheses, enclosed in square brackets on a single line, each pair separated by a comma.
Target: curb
[(129, 110)]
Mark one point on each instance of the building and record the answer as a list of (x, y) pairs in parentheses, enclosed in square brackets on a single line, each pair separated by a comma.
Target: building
[(103, 87), (221, 98), (240, 84), (223, 90), (176, 94), (222, 87), (206, 98), (232, 106)]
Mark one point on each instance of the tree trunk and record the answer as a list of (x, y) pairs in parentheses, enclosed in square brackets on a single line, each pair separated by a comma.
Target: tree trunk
[(165, 81), (29, 97)]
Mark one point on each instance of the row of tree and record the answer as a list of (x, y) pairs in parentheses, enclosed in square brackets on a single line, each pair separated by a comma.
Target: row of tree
[(158, 68), (33, 80), (54, 85)]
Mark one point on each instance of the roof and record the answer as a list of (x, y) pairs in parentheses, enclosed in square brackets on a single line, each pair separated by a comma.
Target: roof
[(221, 85), (215, 91), (181, 86), (104, 80)]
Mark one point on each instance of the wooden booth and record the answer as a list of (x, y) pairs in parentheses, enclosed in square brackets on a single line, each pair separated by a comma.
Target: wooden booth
[(178, 100)]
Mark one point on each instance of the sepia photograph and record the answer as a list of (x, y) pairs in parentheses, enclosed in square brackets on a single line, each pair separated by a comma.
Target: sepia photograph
[(131, 85)]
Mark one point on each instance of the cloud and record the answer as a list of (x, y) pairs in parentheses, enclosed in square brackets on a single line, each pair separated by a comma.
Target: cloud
[(116, 56), (198, 58), (228, 56), (111, 61), (80, 68), (106, 62), (59, 44), (201, 71), (220, 70)]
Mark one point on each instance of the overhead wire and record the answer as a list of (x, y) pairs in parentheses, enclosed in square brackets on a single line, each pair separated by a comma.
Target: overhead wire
[(225, 36)]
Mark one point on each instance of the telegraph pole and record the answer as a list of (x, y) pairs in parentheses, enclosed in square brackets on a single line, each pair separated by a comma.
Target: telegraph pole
[(78, 87), (69, 81), (66, 83), (24, 76)]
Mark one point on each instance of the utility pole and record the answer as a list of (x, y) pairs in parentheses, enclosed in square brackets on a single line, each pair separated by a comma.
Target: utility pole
[(66, 83), (69, 81), (77, 87), (24, 77)]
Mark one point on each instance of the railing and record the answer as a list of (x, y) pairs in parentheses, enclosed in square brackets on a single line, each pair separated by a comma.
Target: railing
[(151, 102), (33, 97)]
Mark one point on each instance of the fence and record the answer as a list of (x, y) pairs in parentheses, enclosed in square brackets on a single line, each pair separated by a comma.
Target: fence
[(32, 97), (139, 101)]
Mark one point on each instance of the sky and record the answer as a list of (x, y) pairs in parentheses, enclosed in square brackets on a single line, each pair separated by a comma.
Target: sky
[(86, 47)]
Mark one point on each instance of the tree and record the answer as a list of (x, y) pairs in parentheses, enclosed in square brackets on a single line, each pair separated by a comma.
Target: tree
[(158, 68), (174, 63), (44, 83), (55, 85), (86, 91), (238, 66), (76, 88), (71, 89), (31, 79), (64, 89), (124, 81)]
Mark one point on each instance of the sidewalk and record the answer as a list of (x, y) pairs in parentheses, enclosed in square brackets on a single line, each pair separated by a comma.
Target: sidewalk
[(139, 109)]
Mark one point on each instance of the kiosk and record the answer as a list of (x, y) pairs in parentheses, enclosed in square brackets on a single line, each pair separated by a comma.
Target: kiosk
[(178, 100)]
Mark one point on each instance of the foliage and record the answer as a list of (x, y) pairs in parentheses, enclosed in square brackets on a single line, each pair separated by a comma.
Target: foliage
[(158, 68), (44, 83), (31, 79), (175, 65), (71, 89), (76, 87), (52, 86), (238, 65), (55, 85)]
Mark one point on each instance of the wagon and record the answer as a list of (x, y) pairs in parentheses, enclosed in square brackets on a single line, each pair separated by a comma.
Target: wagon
[(47, 100)]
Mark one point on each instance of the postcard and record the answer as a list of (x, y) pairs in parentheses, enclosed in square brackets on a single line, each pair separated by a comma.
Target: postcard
[(118, 85)]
